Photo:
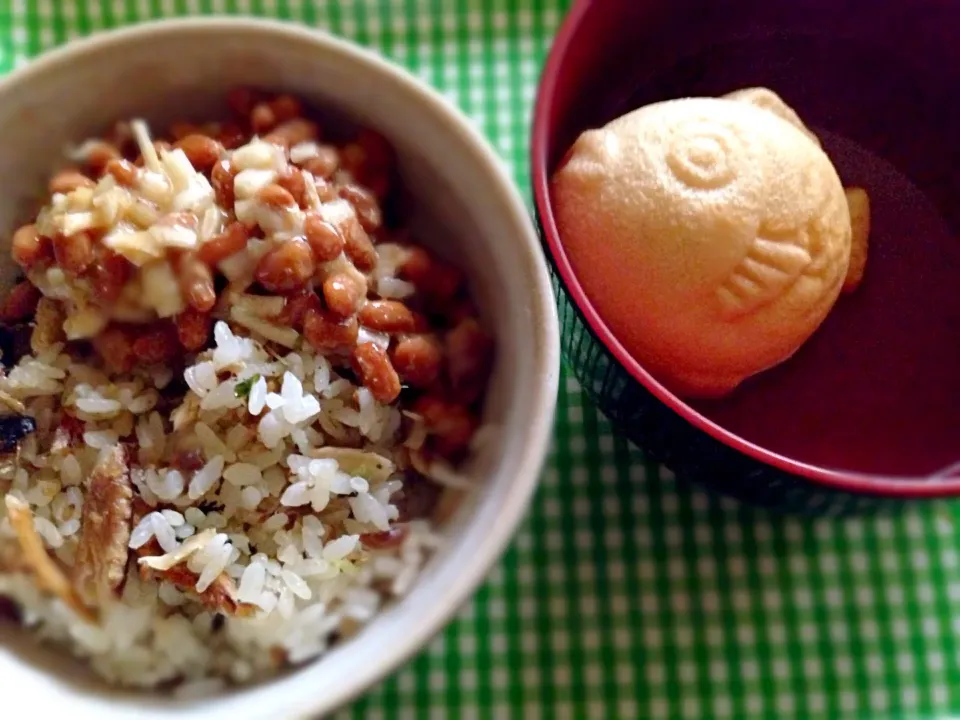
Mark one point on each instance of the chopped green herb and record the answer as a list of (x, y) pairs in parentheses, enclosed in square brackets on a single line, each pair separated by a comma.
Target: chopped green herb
[(244, 386)]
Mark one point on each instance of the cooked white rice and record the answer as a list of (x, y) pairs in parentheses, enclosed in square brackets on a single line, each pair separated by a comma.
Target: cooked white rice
[(275, 507)]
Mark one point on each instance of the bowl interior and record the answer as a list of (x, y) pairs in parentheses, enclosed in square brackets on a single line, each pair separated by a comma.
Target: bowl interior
[(463, 205), (876, 389)]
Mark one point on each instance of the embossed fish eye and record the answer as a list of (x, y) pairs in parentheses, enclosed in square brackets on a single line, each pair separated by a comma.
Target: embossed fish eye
[(699, 153)]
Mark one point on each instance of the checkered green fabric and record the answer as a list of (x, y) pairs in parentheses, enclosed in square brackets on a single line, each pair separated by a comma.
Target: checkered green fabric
[(624, 596)]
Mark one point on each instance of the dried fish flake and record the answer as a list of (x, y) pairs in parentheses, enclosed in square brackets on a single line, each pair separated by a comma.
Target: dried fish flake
[(49, 576), (188, 548), (102, 552), (220, 596)]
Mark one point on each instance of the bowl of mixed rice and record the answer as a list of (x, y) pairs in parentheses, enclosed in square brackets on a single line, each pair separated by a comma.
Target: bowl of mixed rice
[(279, 366)]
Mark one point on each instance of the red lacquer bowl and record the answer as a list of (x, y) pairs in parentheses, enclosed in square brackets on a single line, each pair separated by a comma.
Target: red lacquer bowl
[(869, 408)]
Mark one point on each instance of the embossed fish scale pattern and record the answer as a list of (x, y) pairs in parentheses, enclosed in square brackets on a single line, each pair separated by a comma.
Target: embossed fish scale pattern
[(783, 252), (770, 267), (625, 595)]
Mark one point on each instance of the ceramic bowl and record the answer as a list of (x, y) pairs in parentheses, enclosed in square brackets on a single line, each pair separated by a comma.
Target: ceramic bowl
[(868, 410), (465, 205)]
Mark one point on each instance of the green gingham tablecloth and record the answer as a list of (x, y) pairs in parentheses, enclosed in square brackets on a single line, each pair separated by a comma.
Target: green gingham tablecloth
[(624, 596)]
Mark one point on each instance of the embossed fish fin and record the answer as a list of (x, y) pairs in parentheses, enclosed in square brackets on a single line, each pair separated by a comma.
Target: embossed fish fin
[(771, 266), (787, 258)]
